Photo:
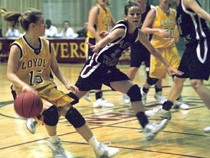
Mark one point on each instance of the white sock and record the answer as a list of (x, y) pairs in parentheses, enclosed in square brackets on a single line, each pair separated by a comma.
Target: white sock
[(93, 142), (54, 138)]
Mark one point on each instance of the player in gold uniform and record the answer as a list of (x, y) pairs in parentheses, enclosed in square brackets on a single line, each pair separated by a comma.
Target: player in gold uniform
[(100, 20), (161, 23), (29, 69)]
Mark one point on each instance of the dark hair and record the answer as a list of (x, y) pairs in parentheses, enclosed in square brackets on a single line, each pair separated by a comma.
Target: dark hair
[(66, 21), (128, 5), (107, 3), (26, 18)]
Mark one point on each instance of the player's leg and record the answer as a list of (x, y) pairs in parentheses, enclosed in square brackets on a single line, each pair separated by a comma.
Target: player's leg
[(158, 92), (204, 94), (51, 117), (145, 89), (179, 103), (77, 120), (133, 91), (176, 88), (137, 55), (131, 74), (100, 101), (157, 71)]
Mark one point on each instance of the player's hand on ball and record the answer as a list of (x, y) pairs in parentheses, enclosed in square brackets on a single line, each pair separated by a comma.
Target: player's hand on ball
[(27, 88)]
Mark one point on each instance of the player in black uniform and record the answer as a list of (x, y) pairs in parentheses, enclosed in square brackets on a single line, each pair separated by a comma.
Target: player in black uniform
[(139, 54), (195, 62), (101, 67)]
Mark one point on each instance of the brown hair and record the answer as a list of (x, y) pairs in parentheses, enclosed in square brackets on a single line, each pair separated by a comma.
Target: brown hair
[(128, 5), (26, 18)]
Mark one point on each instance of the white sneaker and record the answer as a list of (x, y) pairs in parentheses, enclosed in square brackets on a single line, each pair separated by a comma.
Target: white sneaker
[(152, 129), (103, 151), (207, 129), (159, 111), (87, 97), (143, 96), (57, 149), (180, 104), (102, 103), (31, 125), (159, 96), (125, 98)]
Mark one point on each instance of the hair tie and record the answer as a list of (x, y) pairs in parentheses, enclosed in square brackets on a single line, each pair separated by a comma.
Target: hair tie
[(21, 14)]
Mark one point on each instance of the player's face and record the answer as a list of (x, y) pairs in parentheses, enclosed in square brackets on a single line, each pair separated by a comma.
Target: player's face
[(164, 2), (40, 26), (103, 3), (134, 16)]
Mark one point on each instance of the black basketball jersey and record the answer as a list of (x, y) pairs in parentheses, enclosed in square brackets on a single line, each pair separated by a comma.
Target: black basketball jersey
[(109, 55), (191, 27)]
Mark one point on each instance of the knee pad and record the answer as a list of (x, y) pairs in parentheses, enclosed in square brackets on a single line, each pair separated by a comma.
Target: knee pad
[(75, 118), (134, 93), (73, 96), (51, 116), (152, 81)]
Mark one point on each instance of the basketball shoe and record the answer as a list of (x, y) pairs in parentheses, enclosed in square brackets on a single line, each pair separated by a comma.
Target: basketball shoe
[(102, 103), (179, 104), (31, 125), (57, 149), (143, 96), (160, 98), (152, 129), (125, 98), (159, 111), (104, 151), (207, 129)]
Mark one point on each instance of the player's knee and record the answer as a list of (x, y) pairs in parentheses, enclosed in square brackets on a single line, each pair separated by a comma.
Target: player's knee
[(134, 93), (196, 84), (152, 81), (73, 96), (75, 118), (51, 116)]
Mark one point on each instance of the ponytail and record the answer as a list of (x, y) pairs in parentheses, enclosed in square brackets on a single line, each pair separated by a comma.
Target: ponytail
[(26, 18)]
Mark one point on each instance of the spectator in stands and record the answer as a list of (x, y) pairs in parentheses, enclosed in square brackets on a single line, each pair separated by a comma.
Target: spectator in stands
[(50, 31), (67, 32), (83, 32), (12, 32)]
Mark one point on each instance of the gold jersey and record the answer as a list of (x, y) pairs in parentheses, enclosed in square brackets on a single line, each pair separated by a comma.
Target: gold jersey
[(103, 21), (163, 21), (34, 66)]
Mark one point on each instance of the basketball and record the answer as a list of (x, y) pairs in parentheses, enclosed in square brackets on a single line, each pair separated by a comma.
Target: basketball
[(28, 104)]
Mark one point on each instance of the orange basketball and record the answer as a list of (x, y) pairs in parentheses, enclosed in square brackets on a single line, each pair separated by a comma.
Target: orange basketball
[(28, 104)]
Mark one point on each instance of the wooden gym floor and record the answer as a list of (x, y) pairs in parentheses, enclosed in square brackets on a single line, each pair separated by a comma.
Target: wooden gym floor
[(182, 138)]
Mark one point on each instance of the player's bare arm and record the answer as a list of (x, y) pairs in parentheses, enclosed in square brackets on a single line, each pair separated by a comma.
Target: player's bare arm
[(148, 22), (91, 22), (115, 34), (60, 75), (15, 54), (192, 4)]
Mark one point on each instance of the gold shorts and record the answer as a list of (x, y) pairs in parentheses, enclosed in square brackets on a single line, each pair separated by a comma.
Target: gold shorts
[(158, 69), (54, 96)]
